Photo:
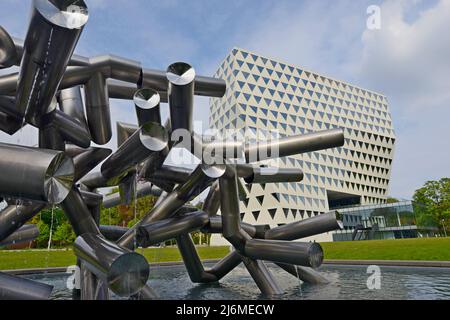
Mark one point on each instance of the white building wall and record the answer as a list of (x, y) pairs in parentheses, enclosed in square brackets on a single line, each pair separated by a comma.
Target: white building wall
[(265, 95)]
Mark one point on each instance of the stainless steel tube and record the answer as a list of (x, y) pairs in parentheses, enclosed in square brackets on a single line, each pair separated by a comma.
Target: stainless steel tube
[(15, 216), (192, 261), (25, 234), (212, 202), (262, 277), (78, 214), (181, 77), (15, 288), (125, 272), (160, 231), (273, 175), (8, 52), (298, 253), (142, 190), (306, 228), (294, 145), (113, 233), (147, 102), (53, 33), (71, 103), (151, 138), (86, 161), (97, 109), (35, 174)]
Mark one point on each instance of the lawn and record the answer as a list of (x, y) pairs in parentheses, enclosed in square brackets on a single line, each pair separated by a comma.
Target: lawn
[(30, 259), (408, 249), (432, 249)]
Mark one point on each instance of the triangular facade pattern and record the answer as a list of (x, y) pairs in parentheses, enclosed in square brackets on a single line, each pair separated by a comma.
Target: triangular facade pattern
[(264, 95)]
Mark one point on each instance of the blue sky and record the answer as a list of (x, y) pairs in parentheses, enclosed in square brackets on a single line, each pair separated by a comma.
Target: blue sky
[(407, 59)]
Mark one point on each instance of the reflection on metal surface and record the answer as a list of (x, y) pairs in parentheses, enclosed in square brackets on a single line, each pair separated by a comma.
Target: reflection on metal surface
[(48, 94)]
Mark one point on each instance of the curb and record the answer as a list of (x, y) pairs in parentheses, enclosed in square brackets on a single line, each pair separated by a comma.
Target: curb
[(390, 263)]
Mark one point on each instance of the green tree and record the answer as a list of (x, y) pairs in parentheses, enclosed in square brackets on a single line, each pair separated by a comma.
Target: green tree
[(433, 201), (392, 200)]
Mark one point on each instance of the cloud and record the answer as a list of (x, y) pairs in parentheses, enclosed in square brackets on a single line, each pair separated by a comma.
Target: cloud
[(407, 60)]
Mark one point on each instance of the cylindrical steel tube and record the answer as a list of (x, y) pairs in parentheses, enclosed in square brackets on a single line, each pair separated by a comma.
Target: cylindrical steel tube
[(142, 190), (88, 160), (306, 228), (113, 233), (160, 231), (78, 214), (181, 77), (204, 86), (262, 277), (192, 261), (71, 103), (146, 102), (212, 202), (97, 109), (294, 145), (125, 272), (151, 138), (69, 128), (15, 288), (298, 253), (15, 216), (8, 52), (25, 234), (273, 175), (35, 174), (53, 33)]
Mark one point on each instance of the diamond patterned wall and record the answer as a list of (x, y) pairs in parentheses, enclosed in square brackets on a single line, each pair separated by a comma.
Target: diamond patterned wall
[(265, 95)]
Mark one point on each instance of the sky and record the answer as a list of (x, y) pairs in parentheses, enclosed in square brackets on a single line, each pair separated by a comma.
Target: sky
[(406, 59)]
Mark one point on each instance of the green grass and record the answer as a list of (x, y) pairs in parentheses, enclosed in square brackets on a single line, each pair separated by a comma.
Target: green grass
[(30, 259), (433, 249), (410, 249)]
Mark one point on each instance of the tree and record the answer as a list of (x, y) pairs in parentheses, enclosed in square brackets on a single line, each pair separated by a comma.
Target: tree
[(433, 201), (392, 200)]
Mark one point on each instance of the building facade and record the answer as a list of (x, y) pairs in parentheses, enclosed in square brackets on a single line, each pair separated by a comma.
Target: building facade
[(266, 96), (400, 220)]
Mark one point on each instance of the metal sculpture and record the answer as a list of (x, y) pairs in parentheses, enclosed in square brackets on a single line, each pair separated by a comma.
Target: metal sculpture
[(48, 94)]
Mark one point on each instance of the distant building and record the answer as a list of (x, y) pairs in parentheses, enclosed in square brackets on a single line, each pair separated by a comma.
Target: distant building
[(401, 220), (265, 95)]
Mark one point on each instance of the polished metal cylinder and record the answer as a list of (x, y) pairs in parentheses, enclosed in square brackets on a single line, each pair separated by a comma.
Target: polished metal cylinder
[(204, 86), (192, 261), (262, 277), (70, 129), (113, 233), (142, 190), (8, 52), (78, 213), (226, 265), (147, 102), (124, 132), (25, 234), (115, 67), (273, 175), (15, 216), (71, 103), (9, 124), (306, 228), (161, 231), (35, 174), (151, 138), (290, 146), (181, 77), (125, 272), (53, 33), (15, 288), (97, 109), (86, 161), (298, 253), (212, 202), (305, 274)]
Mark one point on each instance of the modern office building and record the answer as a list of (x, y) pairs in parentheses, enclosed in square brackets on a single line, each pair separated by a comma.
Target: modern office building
[(400, 220), (266, 96)]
